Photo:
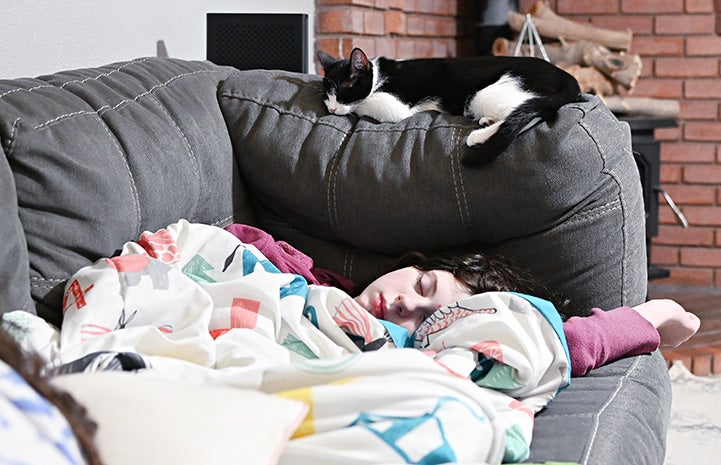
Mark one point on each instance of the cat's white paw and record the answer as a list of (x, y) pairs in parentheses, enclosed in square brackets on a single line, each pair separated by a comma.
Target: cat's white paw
[(486, 121), (479, 136)]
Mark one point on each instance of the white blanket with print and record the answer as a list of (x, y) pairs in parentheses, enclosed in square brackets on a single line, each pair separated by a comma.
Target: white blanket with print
[(196, 303)]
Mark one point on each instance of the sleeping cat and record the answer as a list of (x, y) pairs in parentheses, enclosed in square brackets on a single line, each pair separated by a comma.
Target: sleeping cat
[(504, 94)]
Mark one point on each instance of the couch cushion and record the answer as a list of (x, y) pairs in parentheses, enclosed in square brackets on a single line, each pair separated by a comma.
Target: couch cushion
[(100, 155), (354, 193), (14, 284)]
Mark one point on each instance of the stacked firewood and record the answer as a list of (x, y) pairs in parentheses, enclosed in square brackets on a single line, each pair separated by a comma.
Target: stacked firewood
[(598, 58)]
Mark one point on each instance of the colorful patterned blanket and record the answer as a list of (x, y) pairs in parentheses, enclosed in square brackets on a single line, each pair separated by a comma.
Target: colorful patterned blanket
[(191, 301)]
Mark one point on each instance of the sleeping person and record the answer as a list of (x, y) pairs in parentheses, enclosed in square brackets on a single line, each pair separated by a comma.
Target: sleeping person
[(420, 284), (200, 304)]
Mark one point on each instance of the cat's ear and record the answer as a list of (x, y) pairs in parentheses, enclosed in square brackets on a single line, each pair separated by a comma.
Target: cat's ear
[(325, 60), (359, 62)]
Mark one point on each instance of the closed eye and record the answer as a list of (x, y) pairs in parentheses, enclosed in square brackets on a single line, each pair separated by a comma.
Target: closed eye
[(419, 285)]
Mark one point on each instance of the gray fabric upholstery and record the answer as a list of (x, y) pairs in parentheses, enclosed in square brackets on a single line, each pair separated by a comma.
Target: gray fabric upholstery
[(94, 157), (559, 201), (101, 155), (616, 414)]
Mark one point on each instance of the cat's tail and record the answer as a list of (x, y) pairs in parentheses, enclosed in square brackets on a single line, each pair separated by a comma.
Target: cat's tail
[(487, 143)]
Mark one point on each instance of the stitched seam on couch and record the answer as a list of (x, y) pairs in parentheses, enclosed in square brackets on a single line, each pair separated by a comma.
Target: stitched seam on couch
[(331, 192), (327, 122), (458, 187), (595, 212), (601, 411), (74, 81), (10, 143), (624, 226), (117, 106), (189, 148), (45, 283)]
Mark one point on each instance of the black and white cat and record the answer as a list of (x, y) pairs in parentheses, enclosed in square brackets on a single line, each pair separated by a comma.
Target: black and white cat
[(503, 94)]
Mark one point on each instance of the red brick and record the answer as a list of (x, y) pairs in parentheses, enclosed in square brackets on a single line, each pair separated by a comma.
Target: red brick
[(440, 49), (661, 255), (374, 22), (698, 109), (448, 26), (404, 48), (659, 88), (689, 276), (652, 6), (667, 134), (687, 152), (397, 4), (367, 44), (415, 25), (565, 7), (331, 46), (653, 45), (442, 8), (699, 6), (685, 24), (702, 174), (396, 22), (715, 352), (670, 173), (698, 131), (692, 194), (703, 46), (704, 216), (701, 257), (524, 6), (346, 2), (686, 67), (638, 24), (423, 6), (678, 355), (423, 48), (703, 88), (718, 234), (385, 46), (701, 363), (382, 4), (667, 216), (678, 235), (341, 20)]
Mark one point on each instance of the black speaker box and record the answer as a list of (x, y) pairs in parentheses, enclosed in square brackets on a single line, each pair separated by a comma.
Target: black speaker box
[(258, 41)]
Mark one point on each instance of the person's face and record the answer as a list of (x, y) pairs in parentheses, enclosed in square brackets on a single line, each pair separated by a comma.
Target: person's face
[(408, 296)]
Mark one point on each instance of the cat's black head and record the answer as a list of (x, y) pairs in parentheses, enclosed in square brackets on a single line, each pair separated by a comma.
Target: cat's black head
[(347, 81)]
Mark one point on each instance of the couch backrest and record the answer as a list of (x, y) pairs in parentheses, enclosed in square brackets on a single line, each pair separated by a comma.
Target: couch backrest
[(95, 157), (564, 200)]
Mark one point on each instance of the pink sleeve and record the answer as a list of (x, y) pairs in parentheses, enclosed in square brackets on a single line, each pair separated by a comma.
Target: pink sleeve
[(603, 337)]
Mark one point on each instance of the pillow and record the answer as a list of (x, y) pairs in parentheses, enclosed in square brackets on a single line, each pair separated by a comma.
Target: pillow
[(144, 420)]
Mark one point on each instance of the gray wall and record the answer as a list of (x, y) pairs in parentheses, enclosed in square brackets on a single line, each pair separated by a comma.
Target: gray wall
[(44, 36)]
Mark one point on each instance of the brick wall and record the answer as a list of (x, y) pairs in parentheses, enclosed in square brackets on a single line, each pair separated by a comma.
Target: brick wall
[(395, 28), (681, 52), (680, 49)]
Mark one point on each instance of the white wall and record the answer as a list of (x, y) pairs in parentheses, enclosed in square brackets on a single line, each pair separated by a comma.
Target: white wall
[(44, 36)]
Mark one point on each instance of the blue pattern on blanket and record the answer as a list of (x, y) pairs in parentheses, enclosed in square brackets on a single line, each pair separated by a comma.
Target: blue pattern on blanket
[(298, 286), (30, 422)]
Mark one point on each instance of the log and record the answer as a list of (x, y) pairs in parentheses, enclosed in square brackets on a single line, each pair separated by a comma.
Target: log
[(553, 26), (590, 80), (621, 68), (647, 106)]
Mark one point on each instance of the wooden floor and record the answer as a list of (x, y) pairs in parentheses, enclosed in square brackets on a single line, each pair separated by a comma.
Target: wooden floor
[(702, 353)]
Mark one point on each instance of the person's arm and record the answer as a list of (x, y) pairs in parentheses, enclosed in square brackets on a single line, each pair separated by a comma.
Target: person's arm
[(603, 337)]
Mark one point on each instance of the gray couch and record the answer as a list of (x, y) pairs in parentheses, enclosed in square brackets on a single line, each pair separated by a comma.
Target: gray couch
[(94, 157)]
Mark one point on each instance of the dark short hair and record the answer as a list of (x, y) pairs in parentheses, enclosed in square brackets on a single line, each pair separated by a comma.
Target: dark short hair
[(485, 273)]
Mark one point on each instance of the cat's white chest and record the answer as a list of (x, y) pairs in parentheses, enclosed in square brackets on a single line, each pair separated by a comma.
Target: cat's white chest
[(384, 107)]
